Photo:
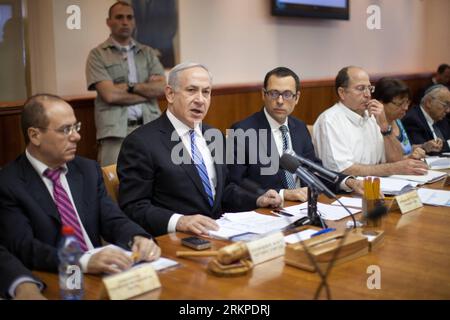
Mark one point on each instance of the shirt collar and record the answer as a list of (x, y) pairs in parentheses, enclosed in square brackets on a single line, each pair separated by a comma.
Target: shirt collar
[(181, 128), (113, 43), (430, 120), (352, 115), (39, 166), (274, 125)]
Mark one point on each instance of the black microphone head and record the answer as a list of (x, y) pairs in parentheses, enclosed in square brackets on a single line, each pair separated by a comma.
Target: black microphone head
[(289, 163)]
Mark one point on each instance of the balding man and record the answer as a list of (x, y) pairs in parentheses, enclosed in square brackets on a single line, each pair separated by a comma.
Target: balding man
[(48, 187), (427, 121), (354, 137)]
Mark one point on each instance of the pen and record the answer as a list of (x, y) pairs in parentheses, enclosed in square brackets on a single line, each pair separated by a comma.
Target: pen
[(283, 213), (318, 233)]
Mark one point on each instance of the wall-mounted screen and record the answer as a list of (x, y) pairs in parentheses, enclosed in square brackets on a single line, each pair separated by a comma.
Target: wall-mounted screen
[(326, 9)]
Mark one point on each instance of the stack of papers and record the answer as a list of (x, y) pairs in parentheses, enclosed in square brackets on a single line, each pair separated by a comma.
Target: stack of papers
[(326, 211), (437, 163), (233, 224), (396, 186), (158, 265), (430, 177), (349, 202), (434, 197)]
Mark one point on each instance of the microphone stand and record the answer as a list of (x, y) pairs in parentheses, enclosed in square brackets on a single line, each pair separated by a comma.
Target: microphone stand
[(313, 216)]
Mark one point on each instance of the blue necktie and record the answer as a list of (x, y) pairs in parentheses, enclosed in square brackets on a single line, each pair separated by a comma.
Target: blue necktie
[(201, 168), (288, 179)]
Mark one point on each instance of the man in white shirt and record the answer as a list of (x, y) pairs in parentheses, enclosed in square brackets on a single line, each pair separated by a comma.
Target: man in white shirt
[(169, 179), (354, 137)]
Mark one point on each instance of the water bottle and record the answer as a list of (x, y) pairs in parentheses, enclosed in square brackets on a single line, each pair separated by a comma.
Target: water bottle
[(70, 272)]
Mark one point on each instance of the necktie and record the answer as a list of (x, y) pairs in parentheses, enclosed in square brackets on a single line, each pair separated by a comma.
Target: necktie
[(289, 182), (438, 132), (64, 206), (201, 168)]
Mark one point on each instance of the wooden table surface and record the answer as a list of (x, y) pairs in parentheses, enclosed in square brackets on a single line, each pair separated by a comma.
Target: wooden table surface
[(414, 261)]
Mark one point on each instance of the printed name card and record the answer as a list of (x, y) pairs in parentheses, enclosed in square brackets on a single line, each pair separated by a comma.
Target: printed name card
[(267, 248), (408, 201), (132, 282)]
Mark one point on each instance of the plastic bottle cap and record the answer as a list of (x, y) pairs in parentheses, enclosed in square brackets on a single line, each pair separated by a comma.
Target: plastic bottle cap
[(67, 230)]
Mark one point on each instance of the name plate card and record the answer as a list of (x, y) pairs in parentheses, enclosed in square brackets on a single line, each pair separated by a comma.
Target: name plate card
[(132, 282), (267, 248), (408, 201)]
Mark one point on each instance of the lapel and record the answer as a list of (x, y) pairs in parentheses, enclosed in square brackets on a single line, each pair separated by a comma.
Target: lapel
[(424, 123), (74, 178), (166, 129), (37, 188), (267, 147)]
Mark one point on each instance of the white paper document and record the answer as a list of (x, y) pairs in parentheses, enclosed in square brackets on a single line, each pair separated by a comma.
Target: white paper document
[(299, 236), (430, 177), (395, 187), (349, 202), (437, 163), (232, 224), (158, 265), (434, 197), (326, 211)]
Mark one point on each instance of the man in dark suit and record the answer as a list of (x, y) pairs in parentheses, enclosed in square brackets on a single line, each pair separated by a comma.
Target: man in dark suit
[(426, 123), (280, 94), (172, 175), (48, 187), (16, 281), (442, 76)]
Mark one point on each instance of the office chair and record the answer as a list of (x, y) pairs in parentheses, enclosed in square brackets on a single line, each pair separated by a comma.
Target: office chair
[(111, 181)]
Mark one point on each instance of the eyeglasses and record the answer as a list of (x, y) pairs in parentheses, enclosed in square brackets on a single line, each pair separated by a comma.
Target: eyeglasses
[(275, 94), (67, 130), (401, 103), (445, 104), (363, 88)]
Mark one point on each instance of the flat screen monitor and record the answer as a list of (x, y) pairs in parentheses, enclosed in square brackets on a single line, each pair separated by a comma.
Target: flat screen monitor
[(325, 9)]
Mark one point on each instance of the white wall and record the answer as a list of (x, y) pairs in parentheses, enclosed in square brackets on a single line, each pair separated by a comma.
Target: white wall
[(240, 41)]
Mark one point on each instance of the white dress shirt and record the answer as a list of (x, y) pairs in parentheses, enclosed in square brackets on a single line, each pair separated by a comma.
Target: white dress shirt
[(183, 132), (278, 137), (343, 138), (40, 168)]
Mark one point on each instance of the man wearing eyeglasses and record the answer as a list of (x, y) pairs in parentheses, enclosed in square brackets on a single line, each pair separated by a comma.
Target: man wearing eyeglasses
[(48, 187), (427, 121), (277, 132), (354, 137)]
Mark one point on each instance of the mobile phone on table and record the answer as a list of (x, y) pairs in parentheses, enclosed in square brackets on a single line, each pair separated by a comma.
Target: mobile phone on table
[(196, 243)]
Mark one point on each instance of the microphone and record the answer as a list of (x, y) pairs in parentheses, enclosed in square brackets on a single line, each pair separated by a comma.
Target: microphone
[(293, 165), (316, 168)]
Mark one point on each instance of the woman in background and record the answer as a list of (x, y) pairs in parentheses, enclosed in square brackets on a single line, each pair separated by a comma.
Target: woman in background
[(396, 98)]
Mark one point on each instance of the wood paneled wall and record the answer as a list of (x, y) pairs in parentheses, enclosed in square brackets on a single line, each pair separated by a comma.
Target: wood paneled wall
[(229, 104)]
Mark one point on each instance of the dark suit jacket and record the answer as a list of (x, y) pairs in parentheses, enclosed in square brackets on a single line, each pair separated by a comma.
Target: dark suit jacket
[(10, 270), (29, 221), (301, 143), (418, 130), (152, 187)]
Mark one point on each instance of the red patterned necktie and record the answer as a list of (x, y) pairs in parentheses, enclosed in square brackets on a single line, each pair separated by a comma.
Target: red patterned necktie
[(64, 206)]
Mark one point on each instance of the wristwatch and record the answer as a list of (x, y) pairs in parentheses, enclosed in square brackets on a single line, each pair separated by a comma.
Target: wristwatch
[(387, 132), (130, 87)]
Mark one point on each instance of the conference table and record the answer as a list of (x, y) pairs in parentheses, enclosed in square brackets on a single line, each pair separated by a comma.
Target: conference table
[(413, 260)]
